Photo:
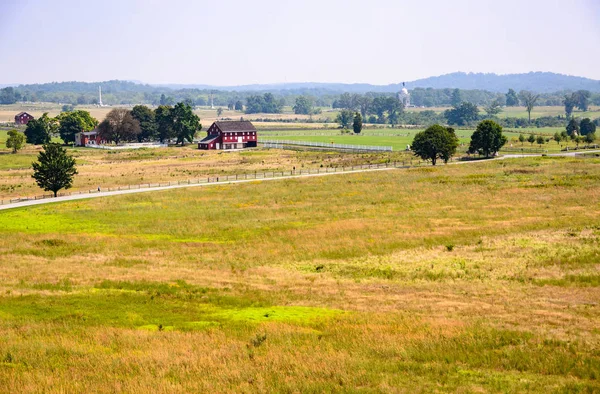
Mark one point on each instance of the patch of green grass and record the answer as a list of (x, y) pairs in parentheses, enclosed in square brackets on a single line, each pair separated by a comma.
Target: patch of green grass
[(583, 280)]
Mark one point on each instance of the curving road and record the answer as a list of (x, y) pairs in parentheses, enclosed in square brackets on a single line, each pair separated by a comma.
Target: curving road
[(161, 188)]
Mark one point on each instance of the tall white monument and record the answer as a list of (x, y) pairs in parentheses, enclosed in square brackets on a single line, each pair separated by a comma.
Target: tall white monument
[(100, 96), (404, 96)]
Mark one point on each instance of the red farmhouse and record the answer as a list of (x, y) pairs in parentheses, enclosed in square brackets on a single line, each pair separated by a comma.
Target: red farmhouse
[(23, 118), (229, 135), (88, 138)]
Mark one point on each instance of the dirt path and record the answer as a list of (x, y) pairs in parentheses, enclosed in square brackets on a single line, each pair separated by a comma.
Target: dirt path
[(161, 188)]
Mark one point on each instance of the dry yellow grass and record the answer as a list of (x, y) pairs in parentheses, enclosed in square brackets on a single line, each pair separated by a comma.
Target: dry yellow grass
[(425, 280)]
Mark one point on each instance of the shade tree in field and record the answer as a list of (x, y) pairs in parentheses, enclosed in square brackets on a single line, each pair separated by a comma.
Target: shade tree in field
[(586, 126), (357, 124), (435, 142), (239, 106), (303, 105), (529, 100), (487, 139), (54, 169), (118, 126), (219, 111), (557, 137), (531, 139), (512, 100), (345, 118), (521, 138), (462, 114), (145, 117), (39, 131), (15, 140), (589, 138), (184, 123), (71, 123), (569, 101), (573, 128)]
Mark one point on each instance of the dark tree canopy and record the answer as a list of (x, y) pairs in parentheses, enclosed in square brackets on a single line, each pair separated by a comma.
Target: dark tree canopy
[(494, 108), (71, 123), (54, 169), (185, 124), (512, 100), (148, 127), (462, 114), (164, 126), (119, 126), (570, 102), (487, 139), (39, 131), (436, 142), (573, 128), (456, 98), (357, 124), (586, 126)]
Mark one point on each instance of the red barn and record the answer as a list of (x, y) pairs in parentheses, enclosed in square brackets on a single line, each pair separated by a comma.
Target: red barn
[(230, 135), (88, 138), (23, 118)]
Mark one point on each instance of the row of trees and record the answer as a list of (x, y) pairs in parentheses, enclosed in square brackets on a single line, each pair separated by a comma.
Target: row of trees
[(140, 124), (440, 143)]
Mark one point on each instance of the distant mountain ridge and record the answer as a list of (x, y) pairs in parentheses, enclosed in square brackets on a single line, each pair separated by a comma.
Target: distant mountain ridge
[(539, 82)]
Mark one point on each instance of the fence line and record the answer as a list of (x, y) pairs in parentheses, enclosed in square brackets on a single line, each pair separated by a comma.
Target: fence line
[(280, 143), (237, 177)]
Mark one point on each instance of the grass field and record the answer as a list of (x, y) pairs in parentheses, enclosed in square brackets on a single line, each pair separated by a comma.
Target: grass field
[(109, 169), (467, 278)]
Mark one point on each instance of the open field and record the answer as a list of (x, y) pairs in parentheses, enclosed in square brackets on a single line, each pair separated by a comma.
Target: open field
[(478, 278), (134, 167)]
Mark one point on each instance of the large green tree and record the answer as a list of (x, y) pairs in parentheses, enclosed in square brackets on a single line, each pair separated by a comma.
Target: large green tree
[(586, 126), (487, 139), (456, 98), (15, 140), (54, 169), (529, 100), (148, 127), (119, 126), (436, 142), (164, 124), (512, 100), (570, 102), (345, 118), (185, 123), (39, 131), (462, 114), (71, 123), (303, 106)]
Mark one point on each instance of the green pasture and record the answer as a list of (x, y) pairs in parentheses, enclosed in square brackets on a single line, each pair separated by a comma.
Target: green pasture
[(460, 278)]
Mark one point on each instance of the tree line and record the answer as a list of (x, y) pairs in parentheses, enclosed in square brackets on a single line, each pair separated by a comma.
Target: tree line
[(140, 124)]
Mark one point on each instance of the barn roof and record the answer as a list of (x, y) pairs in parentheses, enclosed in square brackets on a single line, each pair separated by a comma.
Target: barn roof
[(209, 139), (243, 125), (22, 113)]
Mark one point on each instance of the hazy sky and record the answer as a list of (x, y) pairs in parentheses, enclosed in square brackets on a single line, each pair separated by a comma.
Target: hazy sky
[(270, 41)]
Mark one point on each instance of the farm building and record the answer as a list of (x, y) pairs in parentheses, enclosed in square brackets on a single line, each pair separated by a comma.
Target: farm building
[(230, 135), (88, 138), (23, 118)]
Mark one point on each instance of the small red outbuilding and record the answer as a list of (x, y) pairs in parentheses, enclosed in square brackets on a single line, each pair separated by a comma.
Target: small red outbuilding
[(23, 118)]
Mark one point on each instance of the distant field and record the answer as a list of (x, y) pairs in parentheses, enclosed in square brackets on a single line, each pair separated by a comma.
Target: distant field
[(465, 278)]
